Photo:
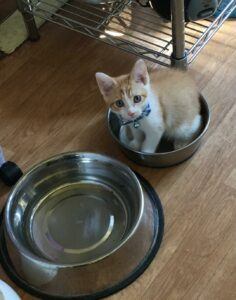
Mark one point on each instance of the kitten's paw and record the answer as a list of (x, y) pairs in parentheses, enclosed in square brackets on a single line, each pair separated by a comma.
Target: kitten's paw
[(148, 150), (135, 145), (125, 135)]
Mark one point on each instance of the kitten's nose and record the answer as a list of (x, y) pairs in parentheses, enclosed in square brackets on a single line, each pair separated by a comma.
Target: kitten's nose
[(131, 114)]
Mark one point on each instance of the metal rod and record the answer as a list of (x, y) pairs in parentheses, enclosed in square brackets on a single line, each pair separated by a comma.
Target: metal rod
[(148, 27), (178, 32), (81, 9), (208, 35), (92, 29), (117, 8), (147, 19), (138, 31), (200, 24), (25, 7), (122, 45), (139, 38), (95, 7), (193, 29), (140, 28), (88, 7), (213, 28), (73, 13)]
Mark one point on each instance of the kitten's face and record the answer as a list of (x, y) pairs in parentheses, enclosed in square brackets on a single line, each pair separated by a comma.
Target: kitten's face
[(126, 95)]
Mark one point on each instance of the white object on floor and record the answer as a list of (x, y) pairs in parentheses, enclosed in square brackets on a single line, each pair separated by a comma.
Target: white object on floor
[(7, 293), (13, 31), (2, 159)]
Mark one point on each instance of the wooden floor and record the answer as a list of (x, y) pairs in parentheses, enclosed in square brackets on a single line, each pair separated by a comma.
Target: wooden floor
[(50, 103)]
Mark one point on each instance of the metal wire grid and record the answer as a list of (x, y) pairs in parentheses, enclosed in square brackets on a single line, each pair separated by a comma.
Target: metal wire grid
[(127, 25)]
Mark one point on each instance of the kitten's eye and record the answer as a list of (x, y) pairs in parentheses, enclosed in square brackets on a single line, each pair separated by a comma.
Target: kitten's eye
[(137, 99), (120, 103)]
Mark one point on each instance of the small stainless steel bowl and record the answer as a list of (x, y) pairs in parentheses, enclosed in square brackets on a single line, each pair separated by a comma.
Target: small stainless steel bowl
[(164, 158), (72, 222)]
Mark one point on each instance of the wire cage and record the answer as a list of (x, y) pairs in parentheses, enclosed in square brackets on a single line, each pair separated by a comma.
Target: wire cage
[(129, 26)]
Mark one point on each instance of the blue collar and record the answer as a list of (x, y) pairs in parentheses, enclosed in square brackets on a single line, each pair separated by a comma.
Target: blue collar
[(135, 122)]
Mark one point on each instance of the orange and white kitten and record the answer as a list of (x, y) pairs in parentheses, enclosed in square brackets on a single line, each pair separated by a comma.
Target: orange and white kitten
[(164, 102)]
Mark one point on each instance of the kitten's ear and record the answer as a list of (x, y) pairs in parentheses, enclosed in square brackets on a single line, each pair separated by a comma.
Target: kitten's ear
[(105, 83), (140, 72)]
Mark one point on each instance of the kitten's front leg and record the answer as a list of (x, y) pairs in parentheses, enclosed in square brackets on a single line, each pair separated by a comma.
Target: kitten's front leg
[(131, 137), (138, 137), (125, 135), (135, 145), (152, 139)]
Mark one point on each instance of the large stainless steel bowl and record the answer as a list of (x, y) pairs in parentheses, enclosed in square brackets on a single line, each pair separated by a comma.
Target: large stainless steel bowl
[(168, 156), (77, 224)]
